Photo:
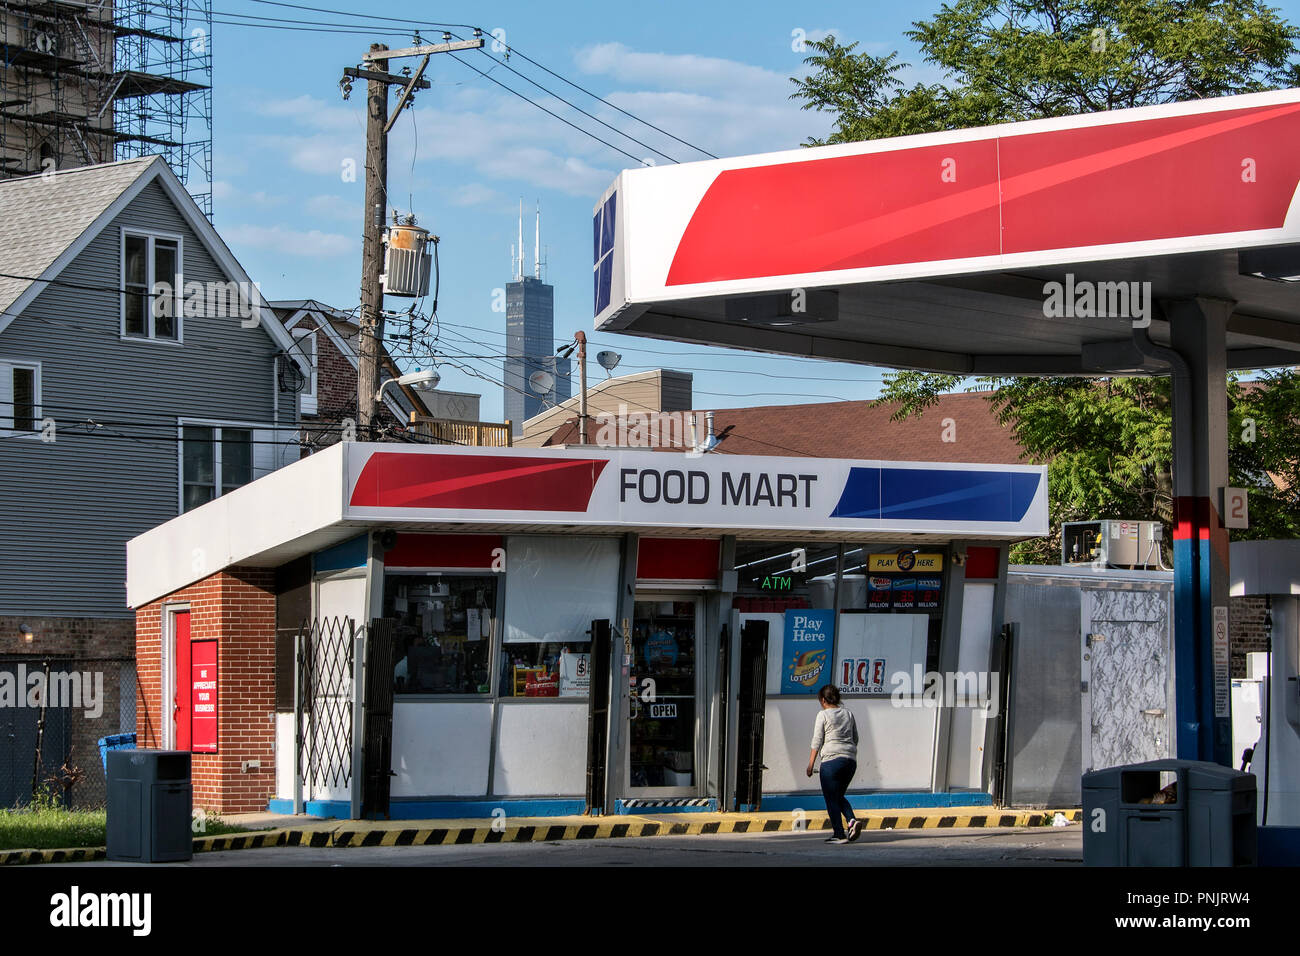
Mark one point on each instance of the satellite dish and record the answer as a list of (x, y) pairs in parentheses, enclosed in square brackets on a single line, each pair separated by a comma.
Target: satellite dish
[(541, 382), (608, 361)]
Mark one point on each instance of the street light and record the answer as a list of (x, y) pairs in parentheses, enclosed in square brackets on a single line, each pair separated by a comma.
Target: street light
[(422, 379)]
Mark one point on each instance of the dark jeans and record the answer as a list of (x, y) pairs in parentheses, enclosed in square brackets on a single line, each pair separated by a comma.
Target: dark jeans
[(836, 775)]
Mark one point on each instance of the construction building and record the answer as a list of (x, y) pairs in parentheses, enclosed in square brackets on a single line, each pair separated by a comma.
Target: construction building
[(85, 82)]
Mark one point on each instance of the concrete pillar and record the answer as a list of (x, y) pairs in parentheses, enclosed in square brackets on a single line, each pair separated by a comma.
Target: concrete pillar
[(1201, 678)]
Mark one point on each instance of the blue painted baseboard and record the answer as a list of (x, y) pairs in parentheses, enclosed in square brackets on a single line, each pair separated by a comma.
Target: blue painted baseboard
[(416, 809), (812, 800)]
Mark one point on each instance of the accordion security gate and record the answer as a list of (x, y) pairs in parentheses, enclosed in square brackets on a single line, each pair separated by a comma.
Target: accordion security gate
[(325, 708)]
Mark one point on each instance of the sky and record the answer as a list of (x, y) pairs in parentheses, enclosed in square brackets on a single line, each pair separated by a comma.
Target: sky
[(716, 76)]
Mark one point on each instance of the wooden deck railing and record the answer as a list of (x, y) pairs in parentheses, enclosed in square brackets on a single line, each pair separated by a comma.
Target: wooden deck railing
[(489, 434)]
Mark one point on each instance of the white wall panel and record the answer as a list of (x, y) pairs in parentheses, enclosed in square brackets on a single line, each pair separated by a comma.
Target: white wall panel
[(441, 748), (541, 750)]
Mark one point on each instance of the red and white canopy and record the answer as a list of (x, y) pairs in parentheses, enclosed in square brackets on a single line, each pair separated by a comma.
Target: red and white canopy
[(938, 248)]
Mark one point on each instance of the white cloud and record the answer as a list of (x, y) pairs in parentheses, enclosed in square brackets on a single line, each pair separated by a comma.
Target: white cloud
[(290, 242), (334, 206), (724, 106)]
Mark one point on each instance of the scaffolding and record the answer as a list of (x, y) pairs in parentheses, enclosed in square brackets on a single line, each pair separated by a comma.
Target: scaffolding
[(93, 81)]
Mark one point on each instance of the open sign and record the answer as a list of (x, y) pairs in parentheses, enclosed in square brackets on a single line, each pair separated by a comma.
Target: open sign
[(661, 711)]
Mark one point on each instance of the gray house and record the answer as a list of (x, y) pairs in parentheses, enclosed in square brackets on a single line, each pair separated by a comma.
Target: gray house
[(141, 374)]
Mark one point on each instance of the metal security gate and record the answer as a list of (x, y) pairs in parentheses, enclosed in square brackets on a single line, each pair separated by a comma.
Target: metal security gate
[(751, 698), (377, 754), (326, 671), (598, 716)]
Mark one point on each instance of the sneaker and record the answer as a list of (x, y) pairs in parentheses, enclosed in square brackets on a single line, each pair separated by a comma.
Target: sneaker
[(854, 831), (837, 840)]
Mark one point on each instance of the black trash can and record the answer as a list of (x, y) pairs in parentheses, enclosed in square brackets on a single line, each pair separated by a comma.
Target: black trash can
[(1169, 813), (150, 803)]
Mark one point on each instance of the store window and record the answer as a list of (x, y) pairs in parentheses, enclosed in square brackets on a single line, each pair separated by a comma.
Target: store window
[(890, 610), (556, 585), (444, 630)]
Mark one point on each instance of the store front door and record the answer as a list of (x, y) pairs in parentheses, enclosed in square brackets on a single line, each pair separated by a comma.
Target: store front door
[(663, 734)]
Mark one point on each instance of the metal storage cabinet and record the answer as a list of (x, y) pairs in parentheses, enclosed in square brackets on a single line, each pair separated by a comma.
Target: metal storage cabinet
[(150, 803), (1210, 823)]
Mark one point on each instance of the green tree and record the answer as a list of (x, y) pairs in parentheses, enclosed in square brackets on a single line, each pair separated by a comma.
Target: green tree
[(1107, 442)]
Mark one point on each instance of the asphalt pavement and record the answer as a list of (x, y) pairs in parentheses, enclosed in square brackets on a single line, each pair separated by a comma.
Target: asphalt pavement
[(1035, 846)]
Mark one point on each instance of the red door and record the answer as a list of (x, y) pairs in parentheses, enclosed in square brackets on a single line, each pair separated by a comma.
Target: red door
[(182, 680)]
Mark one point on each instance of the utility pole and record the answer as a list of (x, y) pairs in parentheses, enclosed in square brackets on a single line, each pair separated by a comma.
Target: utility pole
[(378, 80), (581, 339), (372, 247)]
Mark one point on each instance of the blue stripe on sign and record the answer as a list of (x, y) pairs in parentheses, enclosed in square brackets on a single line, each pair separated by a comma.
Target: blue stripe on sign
[(923, 494), (607, 225)]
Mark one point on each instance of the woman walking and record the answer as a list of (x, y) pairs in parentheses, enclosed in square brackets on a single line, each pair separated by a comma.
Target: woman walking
[(835, 734)]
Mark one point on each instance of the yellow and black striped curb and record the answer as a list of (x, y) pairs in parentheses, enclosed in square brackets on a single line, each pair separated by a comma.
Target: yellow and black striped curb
[(353, 833), (73, 855)]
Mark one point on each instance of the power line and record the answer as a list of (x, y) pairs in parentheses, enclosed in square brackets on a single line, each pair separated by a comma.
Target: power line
[(491, 79), (510, 50), (574, 106)]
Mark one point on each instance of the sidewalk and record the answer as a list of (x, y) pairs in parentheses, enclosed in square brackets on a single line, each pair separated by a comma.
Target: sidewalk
[(281, 830)]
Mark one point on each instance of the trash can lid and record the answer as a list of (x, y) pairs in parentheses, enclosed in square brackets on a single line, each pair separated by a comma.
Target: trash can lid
[(1200, 774)]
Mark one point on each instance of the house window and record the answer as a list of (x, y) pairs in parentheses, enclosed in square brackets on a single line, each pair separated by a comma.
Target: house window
[(305, 355), (151, 284), (20, 395), (214, 460)]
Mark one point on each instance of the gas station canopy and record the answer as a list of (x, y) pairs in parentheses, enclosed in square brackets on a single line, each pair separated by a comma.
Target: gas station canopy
[(939, 251)]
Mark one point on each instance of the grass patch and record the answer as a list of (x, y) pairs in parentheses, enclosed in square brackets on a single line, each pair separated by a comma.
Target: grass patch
[(48, 828)]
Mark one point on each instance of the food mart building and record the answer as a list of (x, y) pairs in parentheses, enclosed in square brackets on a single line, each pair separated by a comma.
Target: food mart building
[(471, 614)]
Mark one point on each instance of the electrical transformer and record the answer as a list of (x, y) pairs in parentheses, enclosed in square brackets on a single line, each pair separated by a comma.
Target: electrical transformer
[(407, 261)]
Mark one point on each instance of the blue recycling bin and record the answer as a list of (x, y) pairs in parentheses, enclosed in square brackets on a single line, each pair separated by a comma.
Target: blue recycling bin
[(114, 742)]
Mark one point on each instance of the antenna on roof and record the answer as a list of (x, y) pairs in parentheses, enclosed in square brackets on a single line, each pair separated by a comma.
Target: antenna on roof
[(519, 274), (537, 244)]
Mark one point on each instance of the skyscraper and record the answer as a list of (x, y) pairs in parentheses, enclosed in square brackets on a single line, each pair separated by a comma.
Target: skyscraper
[(530, 339)]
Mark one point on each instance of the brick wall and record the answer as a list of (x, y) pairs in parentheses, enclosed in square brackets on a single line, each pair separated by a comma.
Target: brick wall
[(102, 652), (235, 607), (336, 392), (1245, 630), (83, 637)]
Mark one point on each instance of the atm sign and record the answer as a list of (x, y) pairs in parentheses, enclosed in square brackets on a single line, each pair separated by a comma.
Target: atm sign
[(907, 562)]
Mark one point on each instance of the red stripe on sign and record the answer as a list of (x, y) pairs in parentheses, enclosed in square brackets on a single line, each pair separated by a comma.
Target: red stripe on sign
[(1159, 179), (936, 202), (677, 559), (981, 563), (1179, 176), (443, 551), (476, 482)]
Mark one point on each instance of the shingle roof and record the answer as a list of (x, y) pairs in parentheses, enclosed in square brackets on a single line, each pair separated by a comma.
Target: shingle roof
[(860, 430), (41, 216)]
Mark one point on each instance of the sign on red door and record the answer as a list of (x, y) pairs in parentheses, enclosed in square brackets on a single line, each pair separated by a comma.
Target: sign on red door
[(203, 719)]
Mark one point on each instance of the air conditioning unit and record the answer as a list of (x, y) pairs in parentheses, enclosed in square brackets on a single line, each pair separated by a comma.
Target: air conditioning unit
[(1112, 543)]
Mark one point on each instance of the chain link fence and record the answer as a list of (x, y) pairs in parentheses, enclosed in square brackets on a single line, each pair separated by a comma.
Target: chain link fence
[(61, 707)]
